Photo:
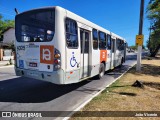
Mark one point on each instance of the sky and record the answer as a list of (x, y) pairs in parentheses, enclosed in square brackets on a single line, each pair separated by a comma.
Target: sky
[(118, 16)]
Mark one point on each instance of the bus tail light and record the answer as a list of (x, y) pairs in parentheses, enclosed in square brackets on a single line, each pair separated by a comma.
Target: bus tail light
[(57, 59), (57, 56)]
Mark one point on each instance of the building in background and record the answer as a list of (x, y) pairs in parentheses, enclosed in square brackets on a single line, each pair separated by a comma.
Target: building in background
[(8, 39)]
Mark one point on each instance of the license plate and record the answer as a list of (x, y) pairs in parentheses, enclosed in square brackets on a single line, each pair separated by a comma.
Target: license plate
[(32, 64)]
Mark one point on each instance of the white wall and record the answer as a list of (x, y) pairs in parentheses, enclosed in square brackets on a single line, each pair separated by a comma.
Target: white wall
[(9, 36)]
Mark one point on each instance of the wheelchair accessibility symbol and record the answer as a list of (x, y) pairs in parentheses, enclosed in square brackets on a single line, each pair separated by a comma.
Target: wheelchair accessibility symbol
[(73, 61)]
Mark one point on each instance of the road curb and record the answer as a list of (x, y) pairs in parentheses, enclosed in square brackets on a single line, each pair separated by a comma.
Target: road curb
[(85, 103)]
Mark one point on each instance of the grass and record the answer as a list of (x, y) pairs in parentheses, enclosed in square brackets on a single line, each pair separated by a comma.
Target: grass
[(121, 96)]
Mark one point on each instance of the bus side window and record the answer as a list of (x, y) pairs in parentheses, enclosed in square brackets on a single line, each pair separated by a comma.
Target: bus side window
[(71, 33), (109, 42), (118, 44), (113, 45), (122, 45), (95, 39), (102, 41)]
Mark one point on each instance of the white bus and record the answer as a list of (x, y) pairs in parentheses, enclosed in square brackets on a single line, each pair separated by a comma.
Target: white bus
[(58, 46)]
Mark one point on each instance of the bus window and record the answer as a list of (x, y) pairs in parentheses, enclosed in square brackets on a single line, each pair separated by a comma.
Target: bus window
[(84, 45), (118, 44), (35, 26), (109, 42), (122, 45), (86, 50), (113, 45), (71, 33), (102, 41), (95, 39), (81, 39)]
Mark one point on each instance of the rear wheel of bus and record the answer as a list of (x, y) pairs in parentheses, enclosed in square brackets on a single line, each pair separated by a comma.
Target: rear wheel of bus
[(101, 71)]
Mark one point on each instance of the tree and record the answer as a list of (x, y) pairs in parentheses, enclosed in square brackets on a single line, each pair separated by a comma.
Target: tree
[(5, 24), (133, 47), (153, 11), (1, 24)]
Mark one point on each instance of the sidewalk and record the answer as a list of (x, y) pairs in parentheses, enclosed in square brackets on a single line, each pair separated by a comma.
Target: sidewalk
[(4, 63)]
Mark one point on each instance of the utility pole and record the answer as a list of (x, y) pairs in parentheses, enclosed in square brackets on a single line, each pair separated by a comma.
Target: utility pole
[(140, 43)]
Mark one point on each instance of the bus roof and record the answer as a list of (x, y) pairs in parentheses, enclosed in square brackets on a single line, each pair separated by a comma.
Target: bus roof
[(87, 22), (77, 18)]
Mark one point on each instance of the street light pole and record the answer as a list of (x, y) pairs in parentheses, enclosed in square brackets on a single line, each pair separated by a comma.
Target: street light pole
[(138, 67)]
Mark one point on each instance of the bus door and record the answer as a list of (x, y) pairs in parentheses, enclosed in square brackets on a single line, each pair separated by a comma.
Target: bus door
[(113, 52), (84, 40)]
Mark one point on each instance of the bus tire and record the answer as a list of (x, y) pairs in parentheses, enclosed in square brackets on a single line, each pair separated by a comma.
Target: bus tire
[(121, 62), (101, 71)]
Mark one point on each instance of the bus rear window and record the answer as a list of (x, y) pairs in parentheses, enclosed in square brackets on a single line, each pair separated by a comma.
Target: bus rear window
[(35, 26)]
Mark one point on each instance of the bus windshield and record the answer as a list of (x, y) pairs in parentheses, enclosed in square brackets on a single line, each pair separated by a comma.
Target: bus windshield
[(35, 26)]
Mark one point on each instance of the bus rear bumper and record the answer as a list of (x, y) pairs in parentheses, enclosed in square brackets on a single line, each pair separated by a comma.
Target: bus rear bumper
[(56, 77)]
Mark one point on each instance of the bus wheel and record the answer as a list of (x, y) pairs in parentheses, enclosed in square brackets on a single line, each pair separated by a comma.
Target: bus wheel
[(121, 63), (101, 71)]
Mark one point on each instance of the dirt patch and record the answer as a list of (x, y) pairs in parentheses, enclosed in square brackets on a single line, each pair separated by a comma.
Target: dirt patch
[(152, 85)]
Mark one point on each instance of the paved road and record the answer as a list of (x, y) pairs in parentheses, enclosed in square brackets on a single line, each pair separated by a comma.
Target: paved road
[(24, 94)]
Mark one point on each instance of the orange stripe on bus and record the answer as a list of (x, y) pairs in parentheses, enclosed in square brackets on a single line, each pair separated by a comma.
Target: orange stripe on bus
[(103, 55)]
